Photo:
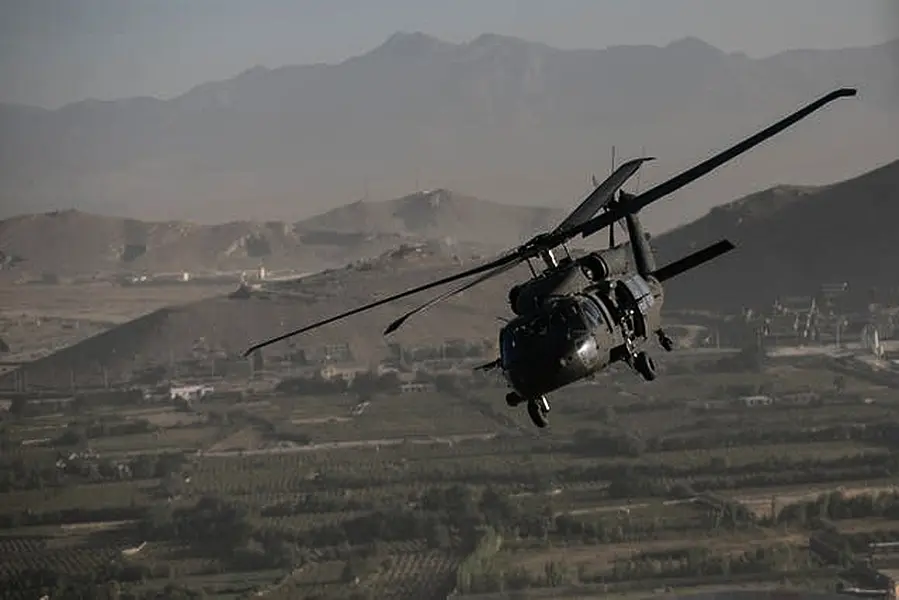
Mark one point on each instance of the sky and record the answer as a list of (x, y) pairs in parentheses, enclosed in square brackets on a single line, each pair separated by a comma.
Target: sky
[(53, 52)]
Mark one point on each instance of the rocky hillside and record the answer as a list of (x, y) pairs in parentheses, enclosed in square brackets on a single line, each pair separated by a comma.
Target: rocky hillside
[(792, 239), (72, 242)]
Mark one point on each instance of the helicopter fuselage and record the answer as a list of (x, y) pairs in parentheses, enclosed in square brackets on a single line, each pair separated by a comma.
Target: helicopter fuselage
[(570, 326)]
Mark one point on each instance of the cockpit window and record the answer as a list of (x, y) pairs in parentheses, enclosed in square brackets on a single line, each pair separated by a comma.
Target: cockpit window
[(595, 308), (567, 316), (591, 312), (558, 326)]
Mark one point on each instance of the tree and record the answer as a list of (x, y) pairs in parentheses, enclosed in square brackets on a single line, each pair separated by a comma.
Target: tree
[(351, 572), (839, 384), (18, 406)]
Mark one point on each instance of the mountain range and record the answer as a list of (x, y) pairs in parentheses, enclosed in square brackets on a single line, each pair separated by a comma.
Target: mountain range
[(497, 117), (790, 240)]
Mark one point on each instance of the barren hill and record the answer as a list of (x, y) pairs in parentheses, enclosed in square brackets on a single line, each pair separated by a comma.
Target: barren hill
[(439, 214), (73, 242), (790, 240), (227, 325), (498, 117)]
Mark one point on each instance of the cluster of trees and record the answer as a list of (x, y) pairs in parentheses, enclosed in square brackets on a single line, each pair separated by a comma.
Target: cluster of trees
[(220, 527), (105, 583), (69, 516), (17, 474), (478, 566), (631, 479), (634, 480), (592, 442), (273, 430), (143, 466), (486, 577), (77, 434), (315, 503), (612, 442), (886, 434), (441, 516), (702, 562), (836, 506)]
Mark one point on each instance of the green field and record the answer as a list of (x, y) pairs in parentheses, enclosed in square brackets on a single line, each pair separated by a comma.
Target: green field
[(325, 496)]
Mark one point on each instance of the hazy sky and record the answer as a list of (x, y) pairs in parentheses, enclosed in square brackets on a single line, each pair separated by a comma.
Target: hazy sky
[(57, 51)]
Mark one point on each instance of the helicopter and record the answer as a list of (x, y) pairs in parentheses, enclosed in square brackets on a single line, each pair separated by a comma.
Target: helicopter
[(578, 316)]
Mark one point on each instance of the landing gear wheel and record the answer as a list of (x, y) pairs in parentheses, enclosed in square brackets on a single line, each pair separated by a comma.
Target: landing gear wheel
[(537, 410), (645, 366), (513, 399)]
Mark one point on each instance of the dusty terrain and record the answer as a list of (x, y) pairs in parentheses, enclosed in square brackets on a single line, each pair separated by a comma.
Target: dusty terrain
[(84, 246)]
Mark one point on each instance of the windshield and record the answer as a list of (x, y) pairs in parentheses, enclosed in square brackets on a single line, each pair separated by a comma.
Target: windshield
[(545, 332), (594, 314)]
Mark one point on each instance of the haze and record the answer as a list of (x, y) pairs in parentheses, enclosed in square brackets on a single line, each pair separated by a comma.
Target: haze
[(181, 182), (55, 51), (518, 118)]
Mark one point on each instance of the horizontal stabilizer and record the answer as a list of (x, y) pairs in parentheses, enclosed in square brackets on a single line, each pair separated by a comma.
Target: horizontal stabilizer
[(692, 261)]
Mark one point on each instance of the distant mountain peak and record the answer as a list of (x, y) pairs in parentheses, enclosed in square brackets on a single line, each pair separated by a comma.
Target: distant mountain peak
[(693, 44), (493, 39), (406, 43), (254, 71)]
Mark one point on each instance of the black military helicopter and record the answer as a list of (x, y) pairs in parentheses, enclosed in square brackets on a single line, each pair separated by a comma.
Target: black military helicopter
[(578, 316)]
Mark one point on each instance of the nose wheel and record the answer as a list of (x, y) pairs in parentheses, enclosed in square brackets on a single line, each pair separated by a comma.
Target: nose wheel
[(538, 408), (645, 366)]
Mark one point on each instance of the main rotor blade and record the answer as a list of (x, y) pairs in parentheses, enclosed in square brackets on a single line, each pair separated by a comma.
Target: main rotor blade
[(691, 261), (690, 175), (601, 195), (446, 295), (501, 261)]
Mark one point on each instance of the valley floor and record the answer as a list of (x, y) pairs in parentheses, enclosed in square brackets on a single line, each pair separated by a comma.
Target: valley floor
[(421, 495)]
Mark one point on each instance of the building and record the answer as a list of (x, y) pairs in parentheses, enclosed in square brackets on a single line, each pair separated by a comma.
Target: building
[(756, 400), (331, 372), (189, 393), (417, 387)]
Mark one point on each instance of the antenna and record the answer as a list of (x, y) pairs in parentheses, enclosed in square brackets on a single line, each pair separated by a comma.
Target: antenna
[(612, 226)]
